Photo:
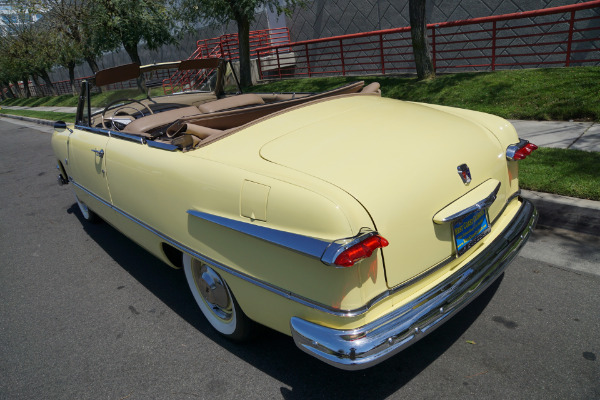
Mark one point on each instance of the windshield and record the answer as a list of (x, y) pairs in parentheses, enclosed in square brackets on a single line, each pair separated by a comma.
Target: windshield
[(154, 83), (122, 94)]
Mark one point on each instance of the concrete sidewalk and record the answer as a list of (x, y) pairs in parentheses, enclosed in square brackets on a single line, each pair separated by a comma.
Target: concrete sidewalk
[(560, 134)]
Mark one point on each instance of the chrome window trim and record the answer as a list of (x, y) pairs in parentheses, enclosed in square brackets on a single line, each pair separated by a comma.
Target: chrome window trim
[(90, 129), (107, 132), (338, 312), (127, 136), (162, 146)]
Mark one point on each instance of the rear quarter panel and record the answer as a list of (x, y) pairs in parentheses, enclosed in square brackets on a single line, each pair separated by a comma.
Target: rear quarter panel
[(158, 187)]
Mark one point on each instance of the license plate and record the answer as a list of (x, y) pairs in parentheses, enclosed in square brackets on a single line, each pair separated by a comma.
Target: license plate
[(470, 230)]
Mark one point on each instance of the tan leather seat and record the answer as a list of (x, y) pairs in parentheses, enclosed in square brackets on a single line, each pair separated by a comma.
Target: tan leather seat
[(229, 112), (248, 99), (199, 131), (372, 88)]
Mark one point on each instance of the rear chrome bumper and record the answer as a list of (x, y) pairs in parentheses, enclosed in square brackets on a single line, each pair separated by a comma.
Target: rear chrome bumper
[(370, 344)]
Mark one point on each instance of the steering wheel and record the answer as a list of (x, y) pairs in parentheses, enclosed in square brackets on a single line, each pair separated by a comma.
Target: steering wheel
[(112, 103)]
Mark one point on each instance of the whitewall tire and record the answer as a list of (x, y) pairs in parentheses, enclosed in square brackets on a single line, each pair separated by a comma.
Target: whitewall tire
[(217, 303), (86, 213)]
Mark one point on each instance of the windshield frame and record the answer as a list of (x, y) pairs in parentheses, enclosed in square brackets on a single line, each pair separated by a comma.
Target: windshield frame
[(215, 68)]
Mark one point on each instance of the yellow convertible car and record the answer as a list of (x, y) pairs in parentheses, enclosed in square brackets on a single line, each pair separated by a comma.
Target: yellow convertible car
[(354, 223)]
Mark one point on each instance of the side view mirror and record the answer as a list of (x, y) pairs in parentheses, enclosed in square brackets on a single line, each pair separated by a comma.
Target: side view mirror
[(61, 126)]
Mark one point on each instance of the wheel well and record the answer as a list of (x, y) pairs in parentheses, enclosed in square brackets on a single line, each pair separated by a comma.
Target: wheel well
[(175, 256)]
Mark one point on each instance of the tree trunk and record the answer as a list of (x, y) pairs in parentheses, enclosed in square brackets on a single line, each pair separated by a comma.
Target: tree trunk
[(420, 42), (11, 91), (93, 65), (39, 91), (71, 67), (16, 88), (26, 91), (244, 45), (48, 81), (132, 50)]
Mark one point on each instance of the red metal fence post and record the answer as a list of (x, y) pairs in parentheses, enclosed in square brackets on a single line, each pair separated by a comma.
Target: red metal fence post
[(381, 54), (570, 40), (278, 64), (260, 74), (342, 58), (307, 59), (433, 52), (493, 46)]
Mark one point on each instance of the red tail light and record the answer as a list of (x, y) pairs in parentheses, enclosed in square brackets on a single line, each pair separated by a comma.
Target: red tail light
[(520, 150), (360, 250)]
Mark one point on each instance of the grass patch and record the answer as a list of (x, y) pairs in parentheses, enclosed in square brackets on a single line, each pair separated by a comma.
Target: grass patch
[(535, 94), (65, 100), (567, 172), (98, 99), (52, 116)]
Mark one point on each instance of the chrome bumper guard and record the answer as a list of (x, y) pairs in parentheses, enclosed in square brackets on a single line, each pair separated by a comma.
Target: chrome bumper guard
[(370, 344)]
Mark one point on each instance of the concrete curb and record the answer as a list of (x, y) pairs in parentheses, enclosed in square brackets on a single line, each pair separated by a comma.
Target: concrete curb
[(29, 119), (570, 213)]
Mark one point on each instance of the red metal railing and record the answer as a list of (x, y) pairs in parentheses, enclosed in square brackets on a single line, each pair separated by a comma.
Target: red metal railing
[(225, 46), (556, 36)]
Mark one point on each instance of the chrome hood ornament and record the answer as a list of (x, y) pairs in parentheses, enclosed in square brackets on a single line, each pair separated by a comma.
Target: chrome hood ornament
[(465, 173)]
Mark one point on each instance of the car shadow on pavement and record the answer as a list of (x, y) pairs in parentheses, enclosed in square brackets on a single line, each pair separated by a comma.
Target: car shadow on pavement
[(274, 353)]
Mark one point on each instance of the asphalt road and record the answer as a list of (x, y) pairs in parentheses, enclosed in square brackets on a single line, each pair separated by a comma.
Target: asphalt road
[(87, 314)]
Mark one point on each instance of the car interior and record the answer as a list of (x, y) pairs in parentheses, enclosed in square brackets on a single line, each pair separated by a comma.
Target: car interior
[(195, 118)]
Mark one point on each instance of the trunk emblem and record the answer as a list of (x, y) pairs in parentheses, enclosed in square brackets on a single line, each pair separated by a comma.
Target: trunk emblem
[(464, 173)]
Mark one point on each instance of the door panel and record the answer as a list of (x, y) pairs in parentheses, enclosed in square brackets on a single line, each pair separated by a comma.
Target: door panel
[(87, 158)]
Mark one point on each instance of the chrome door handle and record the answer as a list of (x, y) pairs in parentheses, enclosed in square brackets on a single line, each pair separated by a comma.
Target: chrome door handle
[(99, 152)]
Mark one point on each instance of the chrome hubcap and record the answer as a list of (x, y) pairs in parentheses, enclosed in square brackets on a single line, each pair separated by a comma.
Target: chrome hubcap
[(213, 291), (84, 209)]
